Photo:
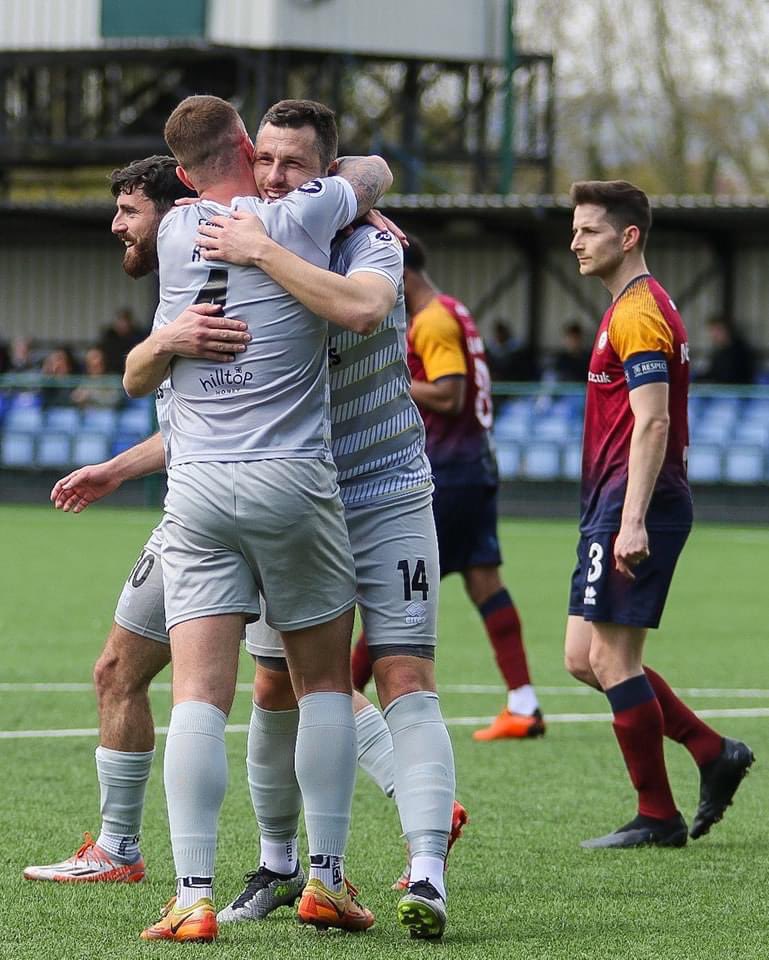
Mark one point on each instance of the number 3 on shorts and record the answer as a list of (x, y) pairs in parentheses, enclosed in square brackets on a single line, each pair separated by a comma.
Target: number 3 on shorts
[(595, 555)]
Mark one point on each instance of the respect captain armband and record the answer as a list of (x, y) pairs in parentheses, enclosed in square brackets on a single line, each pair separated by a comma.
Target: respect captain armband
[(643, 368)]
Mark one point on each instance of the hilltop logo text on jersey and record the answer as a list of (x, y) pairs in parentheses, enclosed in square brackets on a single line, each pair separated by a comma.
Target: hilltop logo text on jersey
[(226, 381)]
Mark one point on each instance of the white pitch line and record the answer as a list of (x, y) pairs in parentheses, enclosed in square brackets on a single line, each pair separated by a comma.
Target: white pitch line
[(744, 712), (715, 693)]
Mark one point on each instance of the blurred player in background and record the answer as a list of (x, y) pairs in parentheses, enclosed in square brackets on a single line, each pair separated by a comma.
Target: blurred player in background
[(451, 386), (636, 517), (377, 440)]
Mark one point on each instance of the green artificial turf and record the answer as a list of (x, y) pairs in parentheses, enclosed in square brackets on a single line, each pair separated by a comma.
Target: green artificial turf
[(520, 886)]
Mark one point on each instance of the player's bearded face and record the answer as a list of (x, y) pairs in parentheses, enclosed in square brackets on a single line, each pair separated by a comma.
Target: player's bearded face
[(284, 159), (136, 226), (596, 242)]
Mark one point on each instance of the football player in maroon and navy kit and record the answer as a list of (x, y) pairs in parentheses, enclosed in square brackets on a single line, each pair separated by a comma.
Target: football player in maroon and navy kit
[(636, 514), (452, 388)]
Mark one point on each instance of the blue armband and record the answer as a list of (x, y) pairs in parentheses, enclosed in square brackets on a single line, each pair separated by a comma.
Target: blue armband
[(642, 368)]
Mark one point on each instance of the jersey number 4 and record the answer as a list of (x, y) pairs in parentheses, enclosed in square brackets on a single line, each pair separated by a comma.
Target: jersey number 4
[(214, 290), (416, 583)]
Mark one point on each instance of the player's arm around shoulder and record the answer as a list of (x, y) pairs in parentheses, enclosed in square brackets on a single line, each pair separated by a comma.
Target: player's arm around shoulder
[(199, 331), (369, 177), (357, 301)]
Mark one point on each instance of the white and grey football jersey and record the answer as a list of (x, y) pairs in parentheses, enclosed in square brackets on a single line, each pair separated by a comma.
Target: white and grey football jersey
[(377, 434), (272, 402)]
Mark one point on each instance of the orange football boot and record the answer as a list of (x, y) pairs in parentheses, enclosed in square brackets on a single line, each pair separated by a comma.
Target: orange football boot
[(195, 924), (459, 817), (512, 726), (322, 908)]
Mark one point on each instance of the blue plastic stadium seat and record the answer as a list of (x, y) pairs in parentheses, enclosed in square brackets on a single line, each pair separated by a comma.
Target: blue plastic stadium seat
[(712, 431), (508, 460), (756, 409), (26, 399), (99, 418), (510, 428), (723, 409), (135, 420), (571, 465), (541, 461), (754, 432), (64, 419), (745, 465), (552, 426), (17, 449), (705, 463), (123, 440), (29, 419), (91, 446), (54, 450)]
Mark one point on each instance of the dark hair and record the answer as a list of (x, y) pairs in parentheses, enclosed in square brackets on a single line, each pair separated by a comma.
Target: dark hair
[(155, 177), (307, 113), (573, 328), (414, 255), (625, 204), (203, 132)]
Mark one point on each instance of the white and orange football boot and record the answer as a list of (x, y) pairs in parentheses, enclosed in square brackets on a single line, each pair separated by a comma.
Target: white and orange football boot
[(89, 864)]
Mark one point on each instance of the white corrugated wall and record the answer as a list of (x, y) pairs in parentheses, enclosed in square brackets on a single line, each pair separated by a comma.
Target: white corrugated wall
[(50, 24), (55, 292)]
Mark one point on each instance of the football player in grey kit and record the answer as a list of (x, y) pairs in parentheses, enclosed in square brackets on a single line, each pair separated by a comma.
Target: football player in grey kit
[(384, 476), (252, 505), (136, 649)]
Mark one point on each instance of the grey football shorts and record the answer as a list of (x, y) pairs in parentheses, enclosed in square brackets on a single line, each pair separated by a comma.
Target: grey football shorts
[(234, 530), (140, 607), (395, 549)]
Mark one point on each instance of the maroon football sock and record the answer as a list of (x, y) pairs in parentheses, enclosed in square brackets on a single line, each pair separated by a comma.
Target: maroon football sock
[(503, 626), (638, 727), (361, 663), (683, 725)]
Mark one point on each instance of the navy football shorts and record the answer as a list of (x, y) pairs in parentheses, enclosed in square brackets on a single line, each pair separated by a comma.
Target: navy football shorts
[(466, 522), (600, 593)]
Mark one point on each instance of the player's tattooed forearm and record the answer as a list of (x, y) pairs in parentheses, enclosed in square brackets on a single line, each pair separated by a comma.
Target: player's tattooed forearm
[(368, 176)]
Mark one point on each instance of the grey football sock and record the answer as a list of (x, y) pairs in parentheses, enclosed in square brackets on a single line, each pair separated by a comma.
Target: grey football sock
[(275, 793), (375, 748), (423, 762), (123, 781), (195, 774), (326, 751)]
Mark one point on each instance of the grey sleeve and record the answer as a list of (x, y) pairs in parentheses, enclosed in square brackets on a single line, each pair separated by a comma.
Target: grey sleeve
[(371, 251), (322, 207)]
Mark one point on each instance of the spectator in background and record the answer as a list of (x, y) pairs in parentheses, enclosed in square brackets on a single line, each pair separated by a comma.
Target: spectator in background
[(732, 359), (22, 359), (573, 359), (96, 394), (119, 338), (501, 350), (60, 362), (5, 357), (508, 357)]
